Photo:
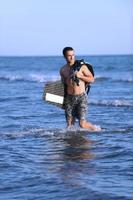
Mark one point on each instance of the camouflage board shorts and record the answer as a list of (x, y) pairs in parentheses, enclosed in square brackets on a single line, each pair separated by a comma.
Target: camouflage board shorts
[(76, 106)]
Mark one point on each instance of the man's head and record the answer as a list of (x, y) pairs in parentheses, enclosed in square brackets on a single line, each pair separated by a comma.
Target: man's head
[(69, 55)]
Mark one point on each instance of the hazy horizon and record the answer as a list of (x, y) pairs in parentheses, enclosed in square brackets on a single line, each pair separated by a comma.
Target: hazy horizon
[(62, 55)]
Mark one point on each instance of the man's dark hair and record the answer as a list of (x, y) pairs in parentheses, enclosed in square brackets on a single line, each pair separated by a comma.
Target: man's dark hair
[(67, 49)]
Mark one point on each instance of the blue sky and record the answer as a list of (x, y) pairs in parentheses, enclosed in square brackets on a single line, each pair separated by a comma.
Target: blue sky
[(44, 27)]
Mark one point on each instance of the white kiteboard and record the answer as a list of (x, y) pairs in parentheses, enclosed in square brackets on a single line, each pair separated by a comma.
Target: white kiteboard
[(54, 93)]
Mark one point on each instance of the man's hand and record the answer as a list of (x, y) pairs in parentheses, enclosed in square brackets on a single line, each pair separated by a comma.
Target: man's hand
[(79, 74)]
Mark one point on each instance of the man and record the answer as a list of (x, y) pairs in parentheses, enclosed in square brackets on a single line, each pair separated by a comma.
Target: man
[(76, 98)]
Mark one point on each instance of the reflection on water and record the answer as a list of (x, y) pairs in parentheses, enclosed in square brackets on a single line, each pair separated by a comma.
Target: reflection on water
[(58, 162), (75, 157), (78, 147)]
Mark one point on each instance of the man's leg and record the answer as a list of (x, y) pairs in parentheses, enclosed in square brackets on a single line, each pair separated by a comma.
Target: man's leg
[(82, 110), (69, 105), (70, 121)]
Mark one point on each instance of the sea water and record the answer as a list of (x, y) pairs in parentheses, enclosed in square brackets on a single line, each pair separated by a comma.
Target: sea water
[(40, 159)]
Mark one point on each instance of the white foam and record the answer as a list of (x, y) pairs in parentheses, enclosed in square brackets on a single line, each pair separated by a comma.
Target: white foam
[(43, 78), (31, 77), (130, 79), (11, 77), (30, 132), (115, 102)]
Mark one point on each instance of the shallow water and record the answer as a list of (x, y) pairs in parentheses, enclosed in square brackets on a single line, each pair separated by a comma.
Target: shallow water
[(40, 159)]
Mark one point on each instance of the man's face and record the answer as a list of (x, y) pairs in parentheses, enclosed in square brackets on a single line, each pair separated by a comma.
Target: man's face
[(70, 57)]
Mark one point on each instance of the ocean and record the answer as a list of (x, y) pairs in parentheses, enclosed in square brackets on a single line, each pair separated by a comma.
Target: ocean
[(39, 159)]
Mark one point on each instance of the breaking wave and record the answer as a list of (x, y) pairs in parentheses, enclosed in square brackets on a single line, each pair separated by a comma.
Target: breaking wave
[(31, 78), (116, 103), (41, 78), (105, 78)]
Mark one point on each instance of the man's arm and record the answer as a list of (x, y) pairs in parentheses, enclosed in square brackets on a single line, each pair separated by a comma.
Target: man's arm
[(61, 74), (85, 75)]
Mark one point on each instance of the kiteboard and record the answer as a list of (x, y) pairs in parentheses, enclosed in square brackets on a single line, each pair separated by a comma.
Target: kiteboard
[(54, 93)]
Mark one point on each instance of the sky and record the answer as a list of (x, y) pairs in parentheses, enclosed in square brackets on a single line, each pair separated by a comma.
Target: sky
[(45, 27)]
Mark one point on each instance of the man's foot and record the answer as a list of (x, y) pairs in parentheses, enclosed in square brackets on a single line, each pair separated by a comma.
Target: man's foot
[(87, 125)]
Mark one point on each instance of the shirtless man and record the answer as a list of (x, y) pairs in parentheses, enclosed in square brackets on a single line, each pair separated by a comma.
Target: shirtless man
[(76, 98)]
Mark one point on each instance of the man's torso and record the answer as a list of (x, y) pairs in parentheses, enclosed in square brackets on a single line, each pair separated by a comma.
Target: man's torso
[(72, 87)]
